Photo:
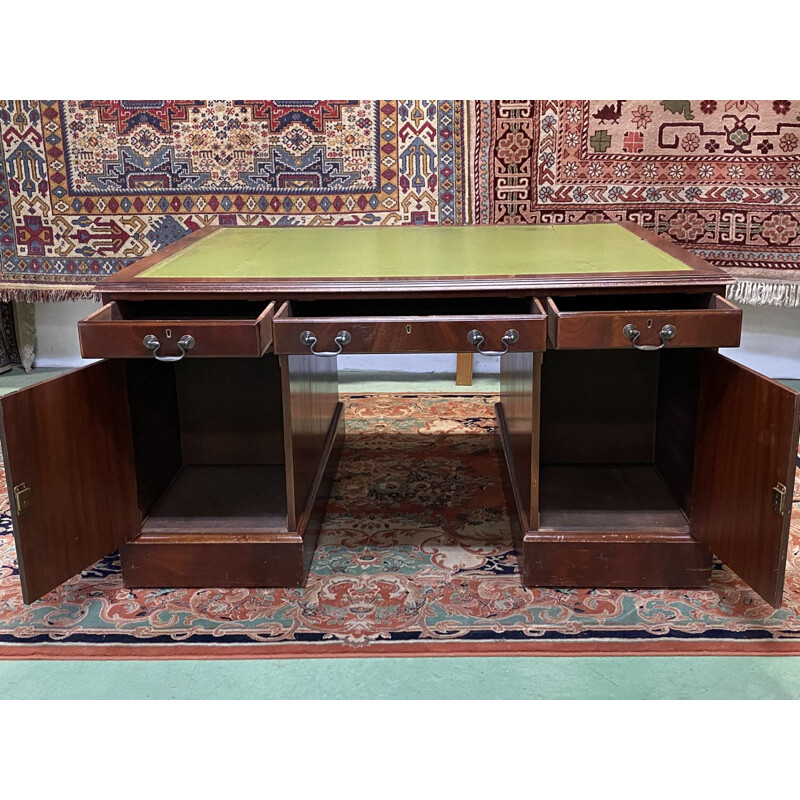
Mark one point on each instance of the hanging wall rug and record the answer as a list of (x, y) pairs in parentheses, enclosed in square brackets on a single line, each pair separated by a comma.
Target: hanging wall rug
[(89, 186)]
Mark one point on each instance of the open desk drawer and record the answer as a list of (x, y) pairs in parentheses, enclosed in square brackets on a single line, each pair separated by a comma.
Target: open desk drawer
[(489, 325), (171, 329), (646, 322)]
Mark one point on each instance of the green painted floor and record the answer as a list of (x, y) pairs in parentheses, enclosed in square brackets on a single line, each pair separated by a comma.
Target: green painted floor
[(349, 382), (612, 678), (17, 378), (400, 678), (435, 383)]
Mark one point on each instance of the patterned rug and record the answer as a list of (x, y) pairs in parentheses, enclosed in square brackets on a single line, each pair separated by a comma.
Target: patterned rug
[(415, 557), (89, 186)]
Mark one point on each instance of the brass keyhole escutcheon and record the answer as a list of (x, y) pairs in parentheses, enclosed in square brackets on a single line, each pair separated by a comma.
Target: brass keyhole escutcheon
[(649, 323), (408, 329), (169, 333)]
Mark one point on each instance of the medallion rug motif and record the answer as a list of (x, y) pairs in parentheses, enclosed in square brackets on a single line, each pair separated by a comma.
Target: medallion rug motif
[(87, 187), (415, 557)]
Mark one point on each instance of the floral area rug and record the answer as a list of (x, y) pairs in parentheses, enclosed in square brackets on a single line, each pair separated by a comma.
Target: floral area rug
[(415, 557)]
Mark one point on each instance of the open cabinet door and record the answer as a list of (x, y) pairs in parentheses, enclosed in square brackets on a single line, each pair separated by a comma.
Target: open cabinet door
[(745, 461), (69, 465)]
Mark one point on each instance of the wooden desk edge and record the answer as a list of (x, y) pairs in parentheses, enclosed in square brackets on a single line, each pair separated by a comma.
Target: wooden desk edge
[(125, 285)]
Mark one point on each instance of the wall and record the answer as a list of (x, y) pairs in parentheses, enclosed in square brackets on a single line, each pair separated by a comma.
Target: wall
[(770, 343)]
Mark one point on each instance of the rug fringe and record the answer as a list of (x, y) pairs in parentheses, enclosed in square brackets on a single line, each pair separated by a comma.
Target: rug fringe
[(25, 319), (30, 295), (755, 292)]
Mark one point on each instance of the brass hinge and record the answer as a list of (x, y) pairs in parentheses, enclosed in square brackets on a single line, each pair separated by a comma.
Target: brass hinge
[(779, 499), (22, 494)]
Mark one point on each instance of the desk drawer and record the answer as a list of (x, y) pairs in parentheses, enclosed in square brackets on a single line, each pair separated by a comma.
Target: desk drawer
[(169, 330), (643, 321), (411, 326)]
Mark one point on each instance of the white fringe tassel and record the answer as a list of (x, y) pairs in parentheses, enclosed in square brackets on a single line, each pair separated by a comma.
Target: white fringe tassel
[(753, 292), (26, 334)]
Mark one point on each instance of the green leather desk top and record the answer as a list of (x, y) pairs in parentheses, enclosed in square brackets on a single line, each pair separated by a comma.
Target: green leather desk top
[(414, 252)]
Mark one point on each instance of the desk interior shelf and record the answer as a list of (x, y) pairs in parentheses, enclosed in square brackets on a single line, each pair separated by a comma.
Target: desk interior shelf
[(221, 498), (208, 444), (607, 497), (617, 439)]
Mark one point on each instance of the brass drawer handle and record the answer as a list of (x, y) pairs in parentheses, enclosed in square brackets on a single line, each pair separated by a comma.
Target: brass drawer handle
[(476, 337), (630, 331), (184, 343), (309, 340)]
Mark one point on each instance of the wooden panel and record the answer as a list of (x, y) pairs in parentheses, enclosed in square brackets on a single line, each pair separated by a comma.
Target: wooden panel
[(230, 411), (155, 425), (313, 514), (746, 444), (178, 561), (520, 379), (641, 560), (464, 369), (109, 333), (411, 334), (598, 406), (310, 400), (516, 507), (69, 440), (717, 325), (676, 422)]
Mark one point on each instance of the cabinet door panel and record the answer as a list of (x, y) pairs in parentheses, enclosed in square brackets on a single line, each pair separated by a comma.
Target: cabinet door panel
[(746, 446), (68, 440)]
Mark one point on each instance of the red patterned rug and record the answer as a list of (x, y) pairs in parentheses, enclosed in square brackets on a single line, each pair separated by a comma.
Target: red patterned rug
[(415, 558), (719, 177)]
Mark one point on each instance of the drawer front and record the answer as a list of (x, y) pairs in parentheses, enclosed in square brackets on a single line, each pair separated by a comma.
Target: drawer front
[(428, 334), (718, 325), (107, 334)]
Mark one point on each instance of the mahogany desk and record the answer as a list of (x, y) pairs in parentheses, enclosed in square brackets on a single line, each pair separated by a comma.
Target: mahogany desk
[(204, 444)]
